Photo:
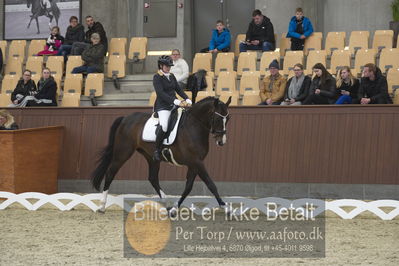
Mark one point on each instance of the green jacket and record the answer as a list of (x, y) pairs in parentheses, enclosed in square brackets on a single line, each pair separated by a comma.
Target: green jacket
[(93, 56)]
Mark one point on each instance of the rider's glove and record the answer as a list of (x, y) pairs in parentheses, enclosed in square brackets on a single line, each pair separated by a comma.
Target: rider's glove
[(176, 102), (188, 101)]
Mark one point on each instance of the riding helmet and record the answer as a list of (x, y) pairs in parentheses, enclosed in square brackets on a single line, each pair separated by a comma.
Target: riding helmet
[(165, 60)]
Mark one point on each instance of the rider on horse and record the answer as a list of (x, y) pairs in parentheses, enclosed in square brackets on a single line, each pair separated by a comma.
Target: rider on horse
[(46, 6), (166, 86)]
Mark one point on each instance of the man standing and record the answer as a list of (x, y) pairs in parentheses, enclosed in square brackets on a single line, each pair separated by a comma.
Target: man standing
[(93, 27), (299, 29), (273, 87), (373, 86), (260, 34)]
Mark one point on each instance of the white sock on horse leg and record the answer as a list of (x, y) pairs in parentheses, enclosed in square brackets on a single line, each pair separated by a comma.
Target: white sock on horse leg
[(104, 200)]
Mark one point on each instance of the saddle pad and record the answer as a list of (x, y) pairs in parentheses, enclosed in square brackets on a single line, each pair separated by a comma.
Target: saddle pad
[(151, 125)]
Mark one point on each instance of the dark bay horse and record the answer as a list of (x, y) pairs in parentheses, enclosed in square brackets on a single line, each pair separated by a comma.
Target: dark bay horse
[(190, 148), (39, 10)]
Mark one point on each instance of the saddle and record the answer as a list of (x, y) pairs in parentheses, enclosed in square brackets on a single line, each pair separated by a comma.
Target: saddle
[(151, 126)]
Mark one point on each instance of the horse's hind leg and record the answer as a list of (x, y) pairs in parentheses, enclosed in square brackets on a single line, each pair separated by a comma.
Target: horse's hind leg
[(30, 21), (121, 153), (153, 171)]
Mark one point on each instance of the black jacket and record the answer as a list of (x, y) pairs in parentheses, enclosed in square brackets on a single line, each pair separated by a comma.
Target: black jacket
[(94, 56), (353, 89), (263, 32), (166, 91), (75, 34), (13, 126), (328, 89), (98, 28), (47, 90), (27, 89), (376, 90), (303, 92)]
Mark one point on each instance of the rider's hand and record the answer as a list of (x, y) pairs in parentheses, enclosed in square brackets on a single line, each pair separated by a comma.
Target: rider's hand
[(189, 102), (177, 102)]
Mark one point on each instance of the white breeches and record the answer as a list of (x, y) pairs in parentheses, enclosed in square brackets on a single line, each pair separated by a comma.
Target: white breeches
[(164, 119)]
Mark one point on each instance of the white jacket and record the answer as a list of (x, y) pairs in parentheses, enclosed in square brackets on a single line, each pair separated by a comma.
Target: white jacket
[(180, 70)]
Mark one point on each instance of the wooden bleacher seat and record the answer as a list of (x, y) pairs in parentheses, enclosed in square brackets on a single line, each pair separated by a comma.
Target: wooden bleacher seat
[(358, 40), (339, 59), (226, 82), (292, 58), (5, 99), (251, 98), (116, 66), (393, 80), (3, 46), (14, 66), (202, 61), (389, 58), (224, 62), (73, 61), (138, 48), (73, 83), (55, 58), (363, 57), (285, 44), (250, 80), (34, 64), (35, 47), (17, 49), (117, 46), (203, 94), (9, 83), (210, 81), (246, 62), (94, 84), (55, 66), (71, 99), (335, 41), (382, 41), (313, 58), (313, 42), (240, 38)]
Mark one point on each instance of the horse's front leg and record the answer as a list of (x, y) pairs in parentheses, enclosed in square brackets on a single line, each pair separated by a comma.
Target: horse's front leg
[(37, 24), (191, 174)]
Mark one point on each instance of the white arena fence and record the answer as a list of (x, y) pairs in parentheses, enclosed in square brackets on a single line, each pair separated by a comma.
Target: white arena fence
[(335, 206)]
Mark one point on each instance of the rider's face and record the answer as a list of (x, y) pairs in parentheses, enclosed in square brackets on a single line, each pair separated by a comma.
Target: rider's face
[(89, 22), (165, 68)]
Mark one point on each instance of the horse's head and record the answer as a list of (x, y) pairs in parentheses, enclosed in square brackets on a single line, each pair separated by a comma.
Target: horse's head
[(219, 121)]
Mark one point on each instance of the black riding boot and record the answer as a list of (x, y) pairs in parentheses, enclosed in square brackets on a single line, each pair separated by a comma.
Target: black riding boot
[(158, 144)]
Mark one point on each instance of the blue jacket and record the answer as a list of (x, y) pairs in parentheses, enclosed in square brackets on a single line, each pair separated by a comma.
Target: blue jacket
[(307, 28), (220, 41)]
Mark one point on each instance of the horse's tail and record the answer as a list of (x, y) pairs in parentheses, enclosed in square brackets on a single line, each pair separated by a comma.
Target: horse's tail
[(105, 157)]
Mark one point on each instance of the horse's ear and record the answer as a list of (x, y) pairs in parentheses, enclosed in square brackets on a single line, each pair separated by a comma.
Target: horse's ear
[(216, 102), (228, 101)]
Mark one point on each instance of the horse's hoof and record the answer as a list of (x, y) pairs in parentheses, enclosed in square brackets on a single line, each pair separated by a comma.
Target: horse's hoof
[(101, 210), (172, 212)]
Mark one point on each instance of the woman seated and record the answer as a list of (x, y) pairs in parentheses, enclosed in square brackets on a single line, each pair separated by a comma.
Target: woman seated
[(322, 89), (54, 42), (25, 87), (47, 91), (7, 121), (93, 57), (347, 86), (297, 88)]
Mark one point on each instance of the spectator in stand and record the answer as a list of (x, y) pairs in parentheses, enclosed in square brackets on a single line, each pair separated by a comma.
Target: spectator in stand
[(75, 33), (299, 29), (347, 86), (47, 91), (179, 69), (93, 27), (93, 57), (25, 87), (260, 34), (7, 121), (373, 86), (53, 43), (323, 87), (220, 41), (297, 88), (273, 86)]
